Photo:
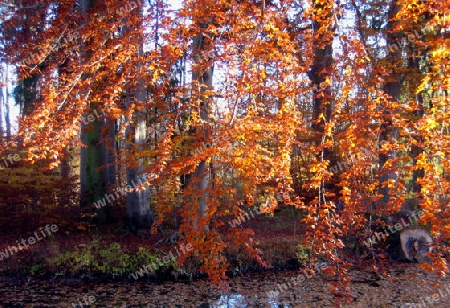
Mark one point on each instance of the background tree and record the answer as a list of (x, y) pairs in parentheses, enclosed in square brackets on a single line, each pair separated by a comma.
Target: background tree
[(139, 213)]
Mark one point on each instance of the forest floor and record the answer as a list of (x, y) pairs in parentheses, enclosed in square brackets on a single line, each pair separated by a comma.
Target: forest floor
[(77, 243), (81, 259), (79, 249)]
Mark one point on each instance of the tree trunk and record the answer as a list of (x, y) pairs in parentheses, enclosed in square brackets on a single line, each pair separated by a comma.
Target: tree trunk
[(319, 73), (202, 73), (93, 180), (7, 110), (392, 88), (416, 150), (2, 99), (415, 58), (323, 59), (139, 213)]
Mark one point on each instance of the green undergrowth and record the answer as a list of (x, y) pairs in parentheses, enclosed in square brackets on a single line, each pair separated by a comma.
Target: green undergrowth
[(81, 250), (93, 260), (86, 259), (115, 261)]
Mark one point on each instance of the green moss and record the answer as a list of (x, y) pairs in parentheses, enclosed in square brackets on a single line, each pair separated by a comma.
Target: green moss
[(112, 260)]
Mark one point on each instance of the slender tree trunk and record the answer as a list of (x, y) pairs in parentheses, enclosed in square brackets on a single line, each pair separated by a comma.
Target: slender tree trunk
[(2, 98), (139, 213), (416, 150), (202, 73), (418, 54), (392, 89), (7, 110), (319, 73)]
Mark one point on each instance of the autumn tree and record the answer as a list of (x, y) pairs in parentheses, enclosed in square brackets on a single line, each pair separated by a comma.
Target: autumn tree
[(259, 80)]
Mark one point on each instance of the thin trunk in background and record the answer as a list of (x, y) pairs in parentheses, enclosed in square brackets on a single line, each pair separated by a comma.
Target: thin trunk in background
[(3, 83), (388, 133), (7, 110), (415, 149), (139, 213)]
